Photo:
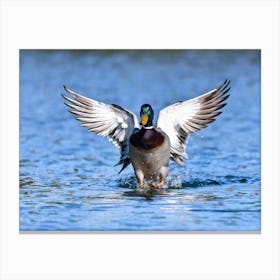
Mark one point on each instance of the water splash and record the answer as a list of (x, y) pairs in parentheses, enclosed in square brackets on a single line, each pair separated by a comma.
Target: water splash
[(127, 182), (174, 182)]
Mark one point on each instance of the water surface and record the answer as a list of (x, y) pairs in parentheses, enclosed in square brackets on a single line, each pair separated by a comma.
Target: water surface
[(67, 176)]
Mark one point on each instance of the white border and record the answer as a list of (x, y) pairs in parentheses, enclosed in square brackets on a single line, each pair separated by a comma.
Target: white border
[(135, 24)]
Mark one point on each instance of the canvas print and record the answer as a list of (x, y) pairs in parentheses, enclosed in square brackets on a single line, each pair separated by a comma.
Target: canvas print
[(140, 140)]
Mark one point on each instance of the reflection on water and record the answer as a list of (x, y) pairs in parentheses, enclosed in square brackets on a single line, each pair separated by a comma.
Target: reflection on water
[(67, 176)]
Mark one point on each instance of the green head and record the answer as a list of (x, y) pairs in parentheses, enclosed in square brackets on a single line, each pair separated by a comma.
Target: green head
[(146, 115)]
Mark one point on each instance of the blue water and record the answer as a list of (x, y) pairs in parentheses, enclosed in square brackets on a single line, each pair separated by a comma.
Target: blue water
[(67, 176)]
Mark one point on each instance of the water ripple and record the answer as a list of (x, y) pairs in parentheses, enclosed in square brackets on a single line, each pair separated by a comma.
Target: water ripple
[(67, 176)]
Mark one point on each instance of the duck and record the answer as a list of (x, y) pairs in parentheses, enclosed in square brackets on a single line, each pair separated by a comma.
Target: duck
[(147, 147)]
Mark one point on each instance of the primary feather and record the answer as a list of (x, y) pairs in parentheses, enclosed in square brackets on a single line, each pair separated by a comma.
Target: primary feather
[(183, 118), (108, 120)]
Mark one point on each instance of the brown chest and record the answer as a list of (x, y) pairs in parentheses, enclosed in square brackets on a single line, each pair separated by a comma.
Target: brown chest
[(146, 138)]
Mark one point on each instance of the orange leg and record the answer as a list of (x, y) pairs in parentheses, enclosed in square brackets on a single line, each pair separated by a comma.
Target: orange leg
[(141, 183)]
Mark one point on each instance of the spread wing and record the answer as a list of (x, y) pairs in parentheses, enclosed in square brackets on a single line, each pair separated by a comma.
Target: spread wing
[(182, 118), (105, 120)]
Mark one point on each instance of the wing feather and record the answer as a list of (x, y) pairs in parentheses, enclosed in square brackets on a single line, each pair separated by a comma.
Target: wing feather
[(108, 120), (183, 118)]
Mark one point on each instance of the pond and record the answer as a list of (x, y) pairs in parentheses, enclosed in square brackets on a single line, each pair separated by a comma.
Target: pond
[(68, 181)]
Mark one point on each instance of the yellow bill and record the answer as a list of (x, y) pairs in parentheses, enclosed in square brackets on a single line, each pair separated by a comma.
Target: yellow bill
[(144, 119)]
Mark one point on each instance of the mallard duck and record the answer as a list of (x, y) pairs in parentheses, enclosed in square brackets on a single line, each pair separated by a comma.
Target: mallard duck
[(149, 148)]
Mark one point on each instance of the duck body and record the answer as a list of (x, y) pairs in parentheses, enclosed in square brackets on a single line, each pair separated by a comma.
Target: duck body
[(149, 150)]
